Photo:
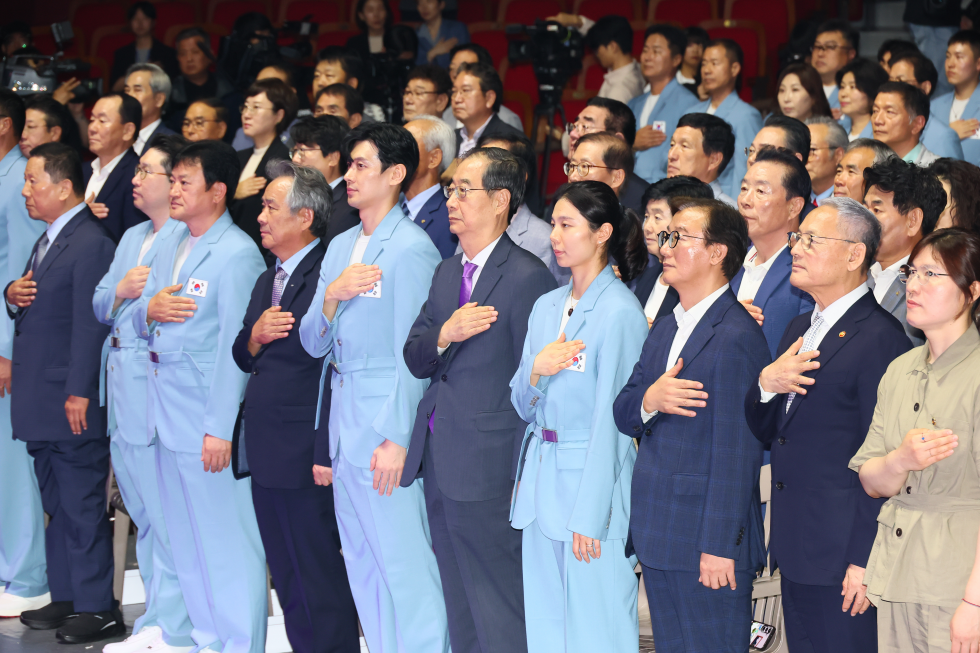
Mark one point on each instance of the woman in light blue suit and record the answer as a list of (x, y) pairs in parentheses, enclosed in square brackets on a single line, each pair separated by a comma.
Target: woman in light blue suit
[(572, 494)]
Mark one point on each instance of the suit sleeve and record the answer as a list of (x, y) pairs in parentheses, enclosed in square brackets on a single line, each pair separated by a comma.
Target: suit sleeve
[(420, 351), (154, 284), (315, 330), (763, 417), (239, 350), (22, 233), (525, 397), (87, 333), (228, 382), (629, 403), (105, 292)]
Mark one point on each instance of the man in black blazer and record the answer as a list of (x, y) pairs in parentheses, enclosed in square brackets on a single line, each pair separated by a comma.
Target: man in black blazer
[(424, 201), (56, 360), (814, 405), (276, 440), (476, 99), (108, 180), (151, 87), (468, 340)]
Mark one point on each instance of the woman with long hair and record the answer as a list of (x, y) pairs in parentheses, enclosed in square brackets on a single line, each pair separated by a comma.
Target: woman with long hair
[(800, 94), (960, 180), (858, 82)]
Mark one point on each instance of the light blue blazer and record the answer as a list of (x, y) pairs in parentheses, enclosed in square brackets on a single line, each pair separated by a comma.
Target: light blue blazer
[(941, 140), (940, 112), (373, 395), (746, 121), (581, 484), (122, 378), (674, 102), (196, 387), (834, 99)]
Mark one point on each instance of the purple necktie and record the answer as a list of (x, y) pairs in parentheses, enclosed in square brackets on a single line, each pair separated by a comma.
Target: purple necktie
[(277, 286), (465, 290)]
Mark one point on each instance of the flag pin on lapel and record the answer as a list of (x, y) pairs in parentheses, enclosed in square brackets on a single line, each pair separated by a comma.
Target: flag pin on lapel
[(842, 334)]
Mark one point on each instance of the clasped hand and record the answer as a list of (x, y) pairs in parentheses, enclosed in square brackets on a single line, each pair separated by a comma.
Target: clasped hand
[(21, 292), (354, 280), (785, 374), (467, 321), (167, 307), (131, 286), (554, 358), (273, 324), (671, 395)]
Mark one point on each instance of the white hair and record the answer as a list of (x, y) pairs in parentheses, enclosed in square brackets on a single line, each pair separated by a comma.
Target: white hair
[(439, 136)]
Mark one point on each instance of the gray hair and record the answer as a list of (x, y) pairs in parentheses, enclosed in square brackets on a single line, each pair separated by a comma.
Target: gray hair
[(882, 151), (439, 136), (855, 222), (159, 81), (310, 190), (836, 136)]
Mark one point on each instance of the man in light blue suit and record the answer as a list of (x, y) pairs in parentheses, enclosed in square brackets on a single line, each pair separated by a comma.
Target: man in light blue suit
[(914, 68), (373, 281), (23, 570), (190, 313), (663, 103), (721, 70), (165, 624), (960, 109)]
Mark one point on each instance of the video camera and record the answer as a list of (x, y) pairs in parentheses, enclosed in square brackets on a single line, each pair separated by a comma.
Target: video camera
[(32, 73), (554, 51), (241, 56)]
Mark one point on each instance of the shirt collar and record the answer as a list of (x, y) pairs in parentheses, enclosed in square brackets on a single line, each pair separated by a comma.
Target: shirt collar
[(877, 270), (681, 79), (97, 168), (146, 131), (824, 195), (336, 182), (697, 311), (479, 132), (55, 227), (836, 310), (965, 345), (913, 154), (754, 253), (481, 259), (416, 203), (289, 265)]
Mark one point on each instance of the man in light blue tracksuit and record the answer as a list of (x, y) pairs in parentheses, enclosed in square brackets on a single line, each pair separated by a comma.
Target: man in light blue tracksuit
[(373, 281), (165, 624), (190, 313), (23, 569)]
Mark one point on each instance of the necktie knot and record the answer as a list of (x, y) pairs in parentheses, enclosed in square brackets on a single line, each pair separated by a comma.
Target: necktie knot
[(466, 286), (469, 269)]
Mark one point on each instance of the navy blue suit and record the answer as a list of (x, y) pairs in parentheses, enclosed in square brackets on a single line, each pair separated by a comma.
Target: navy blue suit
[(56, 354), (696, 480), (117, 195), (342, 216), (434, 218), (822, 519), (469, 459), (295, 516), (645, 283)]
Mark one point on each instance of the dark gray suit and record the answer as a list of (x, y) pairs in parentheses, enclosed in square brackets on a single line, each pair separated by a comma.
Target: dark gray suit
[(894, 303), (470, 457)]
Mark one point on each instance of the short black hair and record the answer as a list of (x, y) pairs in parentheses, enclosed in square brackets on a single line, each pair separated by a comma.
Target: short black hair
[(968, 37), (283, 99), (616, 154), (146, 8), (482, 54), (251, 22), (922, 68), (912, 187), (697, 35), (436, 74), (851, 35), (734, 53), (679, 186), (520, 146), (868, 76), (895, 47), (676, 39), (202, 38), (353, 101), (795, 179), (716, 135), (395, 146), (220, 110), (349, 61), (16, 27), (489, 81), (168, 145), (12, 106), (361, 25), (914, 100), (504, 170), (286, 68), (130, 110), (796, 132), (62, 162), (611, 29), (56, 115), (218, 161), (621, 117), (326, 132), (723, 225)]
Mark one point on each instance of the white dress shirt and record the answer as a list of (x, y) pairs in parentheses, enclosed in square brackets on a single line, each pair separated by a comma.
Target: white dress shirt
[(479, 260), (687, 321), (416, 203), (656, 298), (183, 251), (253, 163), (100, 174), (683, 80), (289, 265), (831, 315), (468, 142), (755, 273), (829, 90), (720, 195), (957, 108), (144, 136), (151, 236), (648, 107), (885, 278)]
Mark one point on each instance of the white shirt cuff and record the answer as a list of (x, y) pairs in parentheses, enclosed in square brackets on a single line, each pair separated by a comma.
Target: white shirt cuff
[(441, 350), (766, 396), (645, 416)]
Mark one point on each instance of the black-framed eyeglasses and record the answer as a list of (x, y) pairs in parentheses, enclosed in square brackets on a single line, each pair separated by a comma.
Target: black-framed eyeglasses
[(302, 151), (907, 272), (672, 238), (583, 169), (794, 237), (461, 192), (585, 128), (142, 172), (418, 94), (825, 47), (197, 123)]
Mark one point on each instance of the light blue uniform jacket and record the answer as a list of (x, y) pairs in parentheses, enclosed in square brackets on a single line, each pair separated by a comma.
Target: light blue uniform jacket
[(122, 379), (581, 484), (674, 102), (373, 395), (746, 121), (940, 112), (196, 388)]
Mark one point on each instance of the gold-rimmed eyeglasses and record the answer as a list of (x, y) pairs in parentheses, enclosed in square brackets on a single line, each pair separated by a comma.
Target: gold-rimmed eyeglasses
[(907, 272), (461, 192), (142, 172), (794, 237)]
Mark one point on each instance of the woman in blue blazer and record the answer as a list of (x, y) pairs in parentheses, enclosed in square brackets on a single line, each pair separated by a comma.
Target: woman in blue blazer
[(572, 494)]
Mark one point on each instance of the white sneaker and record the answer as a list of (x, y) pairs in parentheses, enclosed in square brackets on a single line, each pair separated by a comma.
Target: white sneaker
[(160, 646), (12, 606), (136, 642)]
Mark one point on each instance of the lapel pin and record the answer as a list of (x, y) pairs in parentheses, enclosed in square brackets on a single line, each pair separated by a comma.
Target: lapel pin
[(842, 334)]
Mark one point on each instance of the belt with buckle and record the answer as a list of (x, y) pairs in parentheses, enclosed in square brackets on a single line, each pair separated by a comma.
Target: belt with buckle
[(549, 435), (122, 343), (154, 357)]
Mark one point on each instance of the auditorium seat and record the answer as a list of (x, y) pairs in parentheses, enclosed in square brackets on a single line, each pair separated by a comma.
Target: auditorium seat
[(685, 13), (334, 35), (632, 9), (750, 35), (525, 12), (174, 12), (320, 11), (225, 12)]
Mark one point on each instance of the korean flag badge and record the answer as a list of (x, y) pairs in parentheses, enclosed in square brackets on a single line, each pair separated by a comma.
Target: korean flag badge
[(375, 292), (578, 362), (197, 288)]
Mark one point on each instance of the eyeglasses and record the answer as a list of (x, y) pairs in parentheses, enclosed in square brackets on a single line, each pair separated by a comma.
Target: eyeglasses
[(302, 151), (673, 237), (807, 239), (585, 128), (825, 47), (583, 168), (461, 91), (907, 272), (249, 108), (750, 151), (142, 172), (460, 192), (418, 95), (814, 150), (199, 123)]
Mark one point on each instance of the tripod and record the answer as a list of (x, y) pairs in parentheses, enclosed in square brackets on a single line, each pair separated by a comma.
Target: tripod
[(550, 104)]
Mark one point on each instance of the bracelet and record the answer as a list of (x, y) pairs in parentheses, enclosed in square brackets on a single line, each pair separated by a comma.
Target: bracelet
[(973, 604)]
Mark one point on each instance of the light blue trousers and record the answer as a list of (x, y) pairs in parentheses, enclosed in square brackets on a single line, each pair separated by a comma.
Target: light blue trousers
[(135, 468), (217, 552), (23, 566), (390, 563), (574, 606)]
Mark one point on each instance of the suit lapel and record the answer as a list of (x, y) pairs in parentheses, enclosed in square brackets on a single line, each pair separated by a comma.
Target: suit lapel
[(202, 250), (705, 328), (972, 109), (297, 280), (736, 281), (490, 274), (587, 302), (120, 172), (382, 233), (777, 271), (60, 243), (670, 301), (894, 296), (166, 230)]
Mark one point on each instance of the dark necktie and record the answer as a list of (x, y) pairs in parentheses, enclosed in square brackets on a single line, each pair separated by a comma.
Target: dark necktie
[(465, 291), (277, 286)]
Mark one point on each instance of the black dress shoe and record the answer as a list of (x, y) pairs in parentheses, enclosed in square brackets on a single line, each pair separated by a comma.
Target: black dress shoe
[(53, 615), (92, 627)]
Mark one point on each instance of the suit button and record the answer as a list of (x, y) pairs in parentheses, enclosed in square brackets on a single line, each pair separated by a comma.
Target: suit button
[(908, 490), (648, 431), (781, 440), (916, 407), (255, 372), (16, 333), (444, 377), (158, 333), (898, 532), (117, 329), (112, 368), (779, 485), (155, 372), (339, 342), (636, 428)]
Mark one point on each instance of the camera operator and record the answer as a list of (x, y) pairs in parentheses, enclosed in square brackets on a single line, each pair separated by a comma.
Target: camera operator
[(388, 71)]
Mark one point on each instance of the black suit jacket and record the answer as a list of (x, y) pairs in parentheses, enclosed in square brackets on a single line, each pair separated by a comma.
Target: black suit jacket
[(161, 130), (342, 217), (495, 126), (160, 54), (245, 212), (279, 408), (57, 340), (434, 218), (632, 195), (645, 283), (478, 432), (822, 519), (117, 195)]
